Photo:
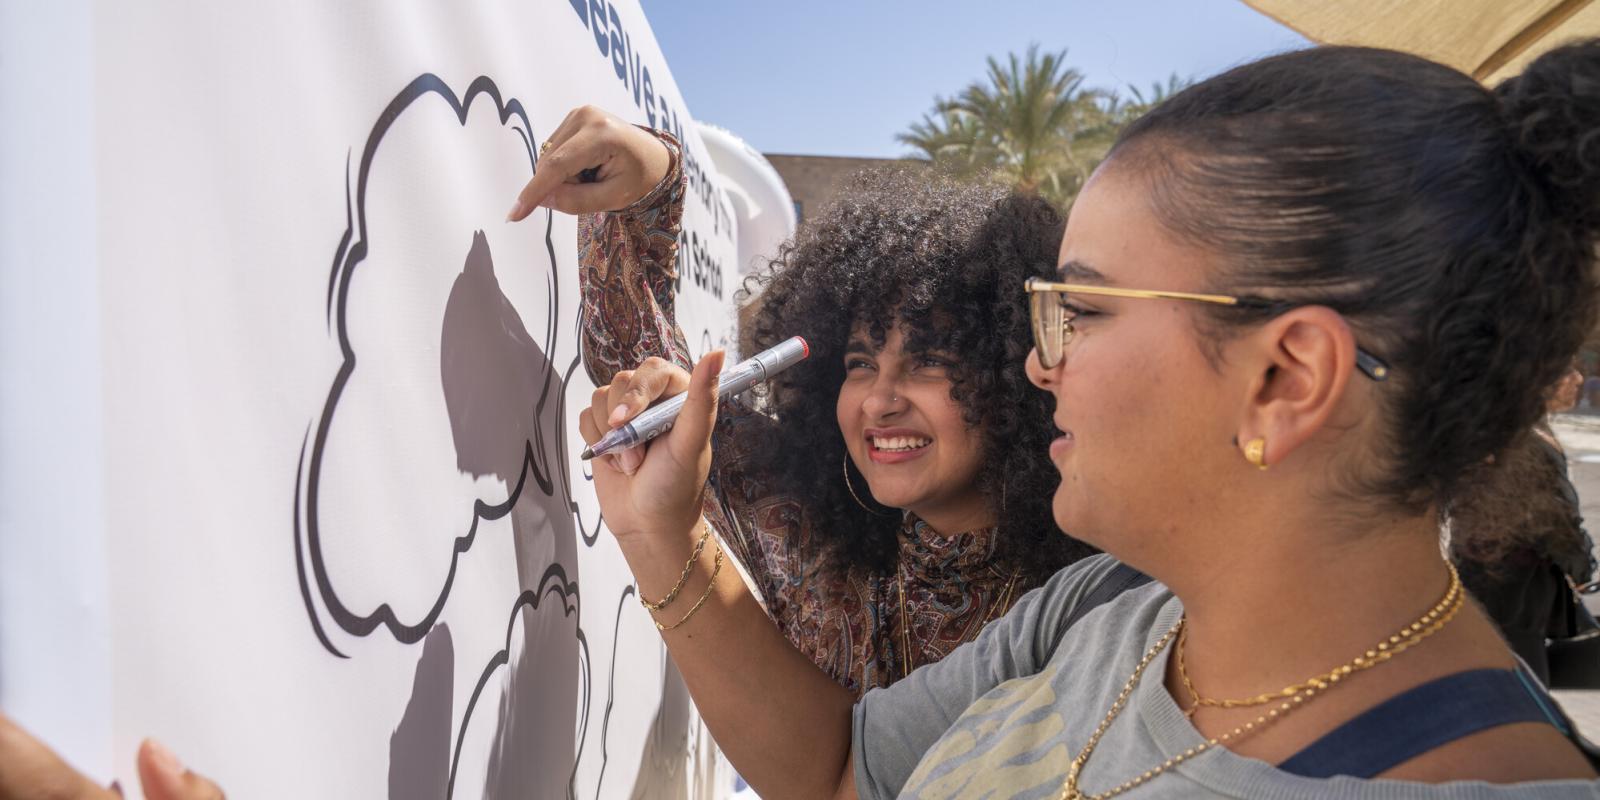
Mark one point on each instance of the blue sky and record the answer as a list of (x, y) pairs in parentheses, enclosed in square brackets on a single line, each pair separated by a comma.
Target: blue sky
[(842, 77)]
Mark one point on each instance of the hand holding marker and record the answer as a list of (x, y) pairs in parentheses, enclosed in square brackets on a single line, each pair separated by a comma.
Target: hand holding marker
[(659, 418)]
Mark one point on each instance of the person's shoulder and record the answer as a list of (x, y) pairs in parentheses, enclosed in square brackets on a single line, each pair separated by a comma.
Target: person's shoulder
[(1098, 575), (1082, 590)]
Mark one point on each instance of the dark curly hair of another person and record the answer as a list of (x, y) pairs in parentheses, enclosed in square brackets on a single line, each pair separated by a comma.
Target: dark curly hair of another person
[(1452, 225), (944, 261), (1519, 504)]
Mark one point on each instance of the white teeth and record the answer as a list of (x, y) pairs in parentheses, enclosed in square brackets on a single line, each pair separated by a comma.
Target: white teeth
[(900, 443)]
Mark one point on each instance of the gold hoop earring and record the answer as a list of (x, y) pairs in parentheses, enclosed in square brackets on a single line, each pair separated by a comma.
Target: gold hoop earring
[(844, 466), (1255, 452)]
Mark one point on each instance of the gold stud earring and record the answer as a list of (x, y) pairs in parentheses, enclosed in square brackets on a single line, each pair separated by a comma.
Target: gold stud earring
[(1255, 452)]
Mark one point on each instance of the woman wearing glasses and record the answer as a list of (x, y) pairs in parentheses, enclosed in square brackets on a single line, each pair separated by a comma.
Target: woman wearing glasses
[(903, 501), (1303, 301)]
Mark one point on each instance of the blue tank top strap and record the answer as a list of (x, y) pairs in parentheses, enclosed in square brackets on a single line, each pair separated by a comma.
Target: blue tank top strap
[(1425, 717)]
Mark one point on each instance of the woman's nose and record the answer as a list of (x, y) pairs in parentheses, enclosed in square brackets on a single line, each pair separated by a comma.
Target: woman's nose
[(884, 400), (1043, 378)]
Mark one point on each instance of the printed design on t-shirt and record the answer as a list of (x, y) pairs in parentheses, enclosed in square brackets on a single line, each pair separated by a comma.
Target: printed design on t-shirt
[(994, 749)]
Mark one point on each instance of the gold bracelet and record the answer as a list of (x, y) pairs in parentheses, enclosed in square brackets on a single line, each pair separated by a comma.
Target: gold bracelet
[(682, 579), (710, 586)]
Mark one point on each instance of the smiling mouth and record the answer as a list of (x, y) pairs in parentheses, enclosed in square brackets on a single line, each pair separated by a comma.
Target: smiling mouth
[(899, 444)]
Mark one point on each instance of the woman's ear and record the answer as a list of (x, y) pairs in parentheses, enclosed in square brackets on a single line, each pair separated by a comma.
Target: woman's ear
[(1302, 362)]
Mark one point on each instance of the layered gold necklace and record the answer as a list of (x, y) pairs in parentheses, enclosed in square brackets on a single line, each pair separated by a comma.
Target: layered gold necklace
[(1285, 700)]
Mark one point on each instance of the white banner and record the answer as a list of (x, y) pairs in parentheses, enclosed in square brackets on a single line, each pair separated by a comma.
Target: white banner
[(346, 548)]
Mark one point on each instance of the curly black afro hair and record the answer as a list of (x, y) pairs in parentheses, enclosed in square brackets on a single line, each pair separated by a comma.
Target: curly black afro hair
[(945, 261)]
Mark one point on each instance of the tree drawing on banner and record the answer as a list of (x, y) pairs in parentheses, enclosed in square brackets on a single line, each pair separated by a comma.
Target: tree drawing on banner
[(436, 358)]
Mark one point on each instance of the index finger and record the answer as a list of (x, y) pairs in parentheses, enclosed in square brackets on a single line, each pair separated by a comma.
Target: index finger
[(163, 777), (563, 162), (544, 181)]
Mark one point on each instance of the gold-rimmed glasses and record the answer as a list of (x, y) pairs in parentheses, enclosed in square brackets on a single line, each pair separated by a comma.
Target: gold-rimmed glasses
[(1053, 317)]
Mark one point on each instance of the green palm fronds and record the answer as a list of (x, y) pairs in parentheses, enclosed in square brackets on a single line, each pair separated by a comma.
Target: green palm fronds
[(1030, 121)]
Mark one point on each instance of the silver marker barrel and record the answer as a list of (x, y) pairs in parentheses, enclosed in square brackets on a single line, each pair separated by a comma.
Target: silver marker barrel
[(659, 418)]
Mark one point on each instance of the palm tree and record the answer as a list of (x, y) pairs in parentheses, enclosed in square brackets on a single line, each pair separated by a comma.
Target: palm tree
[(1030, 110), (952, 139), (1095, 142), (1142, 102), (1031, 121)]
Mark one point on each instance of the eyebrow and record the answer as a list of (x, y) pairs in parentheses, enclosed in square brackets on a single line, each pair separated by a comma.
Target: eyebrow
[(857, 346), (1075, 271)]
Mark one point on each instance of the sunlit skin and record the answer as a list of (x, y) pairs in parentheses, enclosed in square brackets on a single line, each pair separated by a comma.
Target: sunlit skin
[(1281, 575), (907, 435), (1134, 386), (1147, 418)]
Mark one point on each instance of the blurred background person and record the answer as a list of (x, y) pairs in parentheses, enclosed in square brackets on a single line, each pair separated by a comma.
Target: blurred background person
[(1517, 536)]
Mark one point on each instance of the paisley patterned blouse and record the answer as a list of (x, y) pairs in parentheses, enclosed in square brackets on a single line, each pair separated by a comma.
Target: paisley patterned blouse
[(863, 630)]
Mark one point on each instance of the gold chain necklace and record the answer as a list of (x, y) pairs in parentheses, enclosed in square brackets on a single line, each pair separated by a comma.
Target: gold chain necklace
[(1001, 602), (1383, 651), (1408, 637)]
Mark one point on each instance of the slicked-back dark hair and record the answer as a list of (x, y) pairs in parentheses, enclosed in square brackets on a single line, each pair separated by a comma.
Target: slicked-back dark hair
[(945, 261), (1451, 225)]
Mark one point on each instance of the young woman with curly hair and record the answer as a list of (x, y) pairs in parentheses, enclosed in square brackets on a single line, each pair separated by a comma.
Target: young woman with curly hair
[(1517, 536), (1298, 305), (891, 496)]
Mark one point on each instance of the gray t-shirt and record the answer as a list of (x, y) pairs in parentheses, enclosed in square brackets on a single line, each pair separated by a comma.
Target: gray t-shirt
[(1004, 715)]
